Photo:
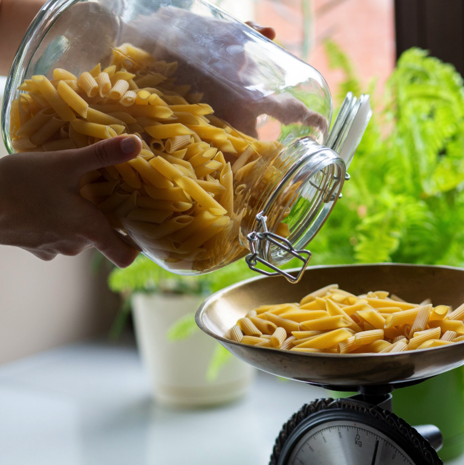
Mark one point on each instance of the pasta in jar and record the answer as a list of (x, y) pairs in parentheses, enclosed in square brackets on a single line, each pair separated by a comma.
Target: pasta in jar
[(185, 199)]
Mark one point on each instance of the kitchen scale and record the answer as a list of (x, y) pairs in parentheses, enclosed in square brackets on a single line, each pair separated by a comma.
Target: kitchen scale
[(362, 429)]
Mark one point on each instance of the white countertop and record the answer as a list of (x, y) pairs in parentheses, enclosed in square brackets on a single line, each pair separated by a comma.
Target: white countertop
[(89, 404)]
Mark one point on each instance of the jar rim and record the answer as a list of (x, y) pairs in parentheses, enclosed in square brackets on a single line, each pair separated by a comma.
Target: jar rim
[(313, 159)]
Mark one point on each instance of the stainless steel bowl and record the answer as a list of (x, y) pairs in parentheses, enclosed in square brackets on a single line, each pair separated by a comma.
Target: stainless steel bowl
[(444, 285)]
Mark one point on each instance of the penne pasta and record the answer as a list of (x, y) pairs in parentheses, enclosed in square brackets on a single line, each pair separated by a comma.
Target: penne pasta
[(51, 95), (248, 328), (77, 103), (88, 84)]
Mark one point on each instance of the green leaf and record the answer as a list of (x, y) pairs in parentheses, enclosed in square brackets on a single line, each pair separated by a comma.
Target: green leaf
[(120, 321), (221, 357), (183, 328)]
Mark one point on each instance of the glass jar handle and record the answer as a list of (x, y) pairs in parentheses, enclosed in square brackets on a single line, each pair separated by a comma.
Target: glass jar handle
[(255, 242)]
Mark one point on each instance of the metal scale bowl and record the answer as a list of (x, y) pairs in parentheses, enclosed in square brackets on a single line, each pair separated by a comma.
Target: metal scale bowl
[(362, 429)]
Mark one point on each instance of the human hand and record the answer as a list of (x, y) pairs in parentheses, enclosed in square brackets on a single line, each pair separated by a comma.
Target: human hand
[(218, 60), (42, 211)]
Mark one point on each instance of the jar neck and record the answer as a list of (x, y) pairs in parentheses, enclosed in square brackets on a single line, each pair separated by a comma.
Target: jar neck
[(296, 192)]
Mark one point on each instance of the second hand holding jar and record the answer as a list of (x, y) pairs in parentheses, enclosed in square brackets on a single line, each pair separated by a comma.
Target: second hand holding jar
[(233, 128)]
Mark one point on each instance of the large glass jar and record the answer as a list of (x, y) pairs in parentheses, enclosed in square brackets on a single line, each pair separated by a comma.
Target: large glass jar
[(237, 152)]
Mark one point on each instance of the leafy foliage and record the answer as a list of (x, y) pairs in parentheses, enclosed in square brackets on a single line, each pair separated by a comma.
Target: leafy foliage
[(145, 276), (405, 201)]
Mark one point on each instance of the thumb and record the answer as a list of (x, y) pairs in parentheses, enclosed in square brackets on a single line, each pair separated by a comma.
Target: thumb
[(105, 153)]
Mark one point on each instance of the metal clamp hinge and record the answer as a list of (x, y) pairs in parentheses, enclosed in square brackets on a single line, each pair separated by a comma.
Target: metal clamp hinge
[(257, 242)]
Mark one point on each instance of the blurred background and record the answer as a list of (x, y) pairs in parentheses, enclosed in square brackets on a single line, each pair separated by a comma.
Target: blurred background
[(405, 202)]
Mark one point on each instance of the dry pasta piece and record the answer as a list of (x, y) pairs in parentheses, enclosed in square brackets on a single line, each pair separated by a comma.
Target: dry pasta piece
[(104, 84), (439, 312), (214, 188), (457, 314), (128, 98), (177, 142), (198, 239), (175, 194), (324, 341), (278, 337), (416, 341), (400, 346), (449, 336), (88, 84), (327, 323), (265, 343), (431, 343), (367, 337), (167, 131), (359, 305), (288, 343), (75, 101), (374, 347), (142, 97), (50, 94), (248, 327), (99, 131), (266, 327), (47, 131), (170, 226), (35, 123), (197, 109), (251, 313), (334, 310), (148, 172), (61, 74), (305, 334), (200, 195), (376, 303), (148, 202), (119, 89), (421, 320), (23, 145), (448, 325), (319, 293), (304, 315), (402, 318), (95, 116), (129, 175), (288, 325), (372, 317), (348, 345), (252, 340), (306, 350)]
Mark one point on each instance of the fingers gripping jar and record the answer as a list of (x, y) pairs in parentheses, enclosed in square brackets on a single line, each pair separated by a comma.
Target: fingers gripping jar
[(237, 156)]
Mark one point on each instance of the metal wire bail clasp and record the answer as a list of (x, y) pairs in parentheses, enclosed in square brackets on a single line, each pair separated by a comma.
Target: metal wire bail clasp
[(259, 241)]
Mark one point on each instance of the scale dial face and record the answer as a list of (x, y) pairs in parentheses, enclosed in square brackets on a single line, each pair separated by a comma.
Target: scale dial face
[(347, 443), (350, 432)]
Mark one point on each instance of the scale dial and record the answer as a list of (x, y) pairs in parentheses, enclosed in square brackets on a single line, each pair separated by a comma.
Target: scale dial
[(345, 432)]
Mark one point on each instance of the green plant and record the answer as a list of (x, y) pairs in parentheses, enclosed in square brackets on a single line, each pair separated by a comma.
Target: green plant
[(146, 276), (405, 200)]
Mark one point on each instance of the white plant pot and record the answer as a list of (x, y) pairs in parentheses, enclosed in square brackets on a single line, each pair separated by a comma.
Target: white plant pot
[(178, 369)]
